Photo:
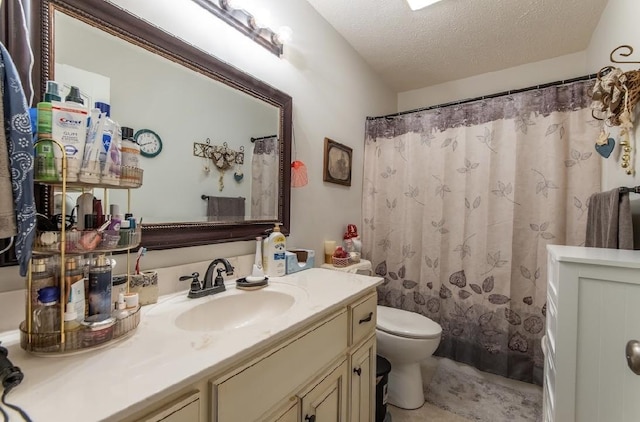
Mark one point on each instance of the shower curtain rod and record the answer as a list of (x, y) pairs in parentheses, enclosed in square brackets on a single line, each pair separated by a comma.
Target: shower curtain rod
[(485, 97), (263, 137)]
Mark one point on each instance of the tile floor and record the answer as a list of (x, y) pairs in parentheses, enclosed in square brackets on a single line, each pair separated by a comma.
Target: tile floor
[(431, 413)]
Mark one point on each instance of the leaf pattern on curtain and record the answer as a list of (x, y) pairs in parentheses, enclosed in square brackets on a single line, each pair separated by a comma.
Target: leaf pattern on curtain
[(459, 205)]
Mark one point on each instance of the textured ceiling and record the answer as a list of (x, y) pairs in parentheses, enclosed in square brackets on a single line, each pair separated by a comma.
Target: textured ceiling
[(456, 39)]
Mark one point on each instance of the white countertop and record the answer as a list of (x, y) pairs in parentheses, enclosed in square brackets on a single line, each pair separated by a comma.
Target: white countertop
[(159, 358), (596, 256)]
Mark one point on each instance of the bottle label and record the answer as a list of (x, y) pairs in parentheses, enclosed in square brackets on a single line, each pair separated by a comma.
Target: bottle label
[(100, 292), (278, 256)]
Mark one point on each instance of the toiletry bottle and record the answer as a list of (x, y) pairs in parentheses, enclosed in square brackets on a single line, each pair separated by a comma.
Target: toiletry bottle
[(45, 168), (71, 322), (125, 233), (90, 171), (69, 127), (85, 207), (41, 277), (46, 316), (115, 218), (73, 273), (97, 210), (110, 152), (274, 253), (120, 311), (118, 285), (130, 156), (44, 110), (100, 289)]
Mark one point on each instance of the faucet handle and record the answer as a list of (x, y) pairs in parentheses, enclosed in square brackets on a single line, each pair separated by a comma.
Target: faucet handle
[(195, 283), (219, 281)]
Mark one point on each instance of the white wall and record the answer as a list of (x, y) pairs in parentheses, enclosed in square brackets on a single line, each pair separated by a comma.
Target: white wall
[(333, 91), (530, 74)]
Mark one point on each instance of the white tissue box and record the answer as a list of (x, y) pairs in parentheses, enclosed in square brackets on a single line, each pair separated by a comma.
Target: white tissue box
[(299, 259)]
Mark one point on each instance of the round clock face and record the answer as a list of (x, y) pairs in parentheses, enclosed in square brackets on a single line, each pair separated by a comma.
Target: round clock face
[(149, 141)]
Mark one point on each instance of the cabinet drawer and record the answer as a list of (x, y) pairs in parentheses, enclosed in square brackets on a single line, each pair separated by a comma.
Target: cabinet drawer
[(249, 394), (363, 318)]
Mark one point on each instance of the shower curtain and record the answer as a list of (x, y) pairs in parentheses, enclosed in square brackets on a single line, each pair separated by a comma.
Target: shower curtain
[(264, 179), (459, 204)]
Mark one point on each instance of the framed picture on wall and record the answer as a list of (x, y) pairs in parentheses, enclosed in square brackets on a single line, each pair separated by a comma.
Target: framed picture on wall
[(337, 162)]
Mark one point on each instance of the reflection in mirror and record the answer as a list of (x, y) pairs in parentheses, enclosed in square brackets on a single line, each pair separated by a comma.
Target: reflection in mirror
[(183, 107), (156, 81)]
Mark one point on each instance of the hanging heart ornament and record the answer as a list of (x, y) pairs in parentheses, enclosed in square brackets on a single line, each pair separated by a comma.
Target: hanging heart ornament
[(238, 175), (606, 148)]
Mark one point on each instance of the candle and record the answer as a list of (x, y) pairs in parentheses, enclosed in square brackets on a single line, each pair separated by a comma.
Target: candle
[(329, 248)]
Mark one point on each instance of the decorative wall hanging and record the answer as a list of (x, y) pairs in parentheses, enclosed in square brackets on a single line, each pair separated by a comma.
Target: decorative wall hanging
[(222, 156), (614, 97), (337, 162)]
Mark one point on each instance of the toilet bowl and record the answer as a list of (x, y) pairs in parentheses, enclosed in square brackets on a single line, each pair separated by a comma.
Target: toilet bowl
[(405, 339)]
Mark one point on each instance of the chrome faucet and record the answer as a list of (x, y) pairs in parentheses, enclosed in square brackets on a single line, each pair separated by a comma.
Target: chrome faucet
[(209, 286)]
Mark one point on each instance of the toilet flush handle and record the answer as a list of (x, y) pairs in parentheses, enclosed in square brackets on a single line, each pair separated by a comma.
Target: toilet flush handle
[(632, 352)]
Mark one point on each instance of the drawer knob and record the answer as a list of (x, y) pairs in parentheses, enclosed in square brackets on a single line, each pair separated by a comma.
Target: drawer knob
[(311, 418), (366, 319), (632, 352), (357, 371)]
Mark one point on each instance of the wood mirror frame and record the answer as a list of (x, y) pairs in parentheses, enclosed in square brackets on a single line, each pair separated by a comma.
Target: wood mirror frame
[(118, 22)]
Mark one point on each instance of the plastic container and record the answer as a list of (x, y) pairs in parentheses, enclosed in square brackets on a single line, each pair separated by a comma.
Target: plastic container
[(383, 367), (274, 258), (100, 289), (130, 157), (41, 277)]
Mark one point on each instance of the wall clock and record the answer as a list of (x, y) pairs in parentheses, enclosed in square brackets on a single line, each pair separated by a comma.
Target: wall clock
[(149, 141)]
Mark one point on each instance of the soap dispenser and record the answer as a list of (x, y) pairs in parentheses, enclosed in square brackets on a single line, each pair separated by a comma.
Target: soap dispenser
[(274, 261)]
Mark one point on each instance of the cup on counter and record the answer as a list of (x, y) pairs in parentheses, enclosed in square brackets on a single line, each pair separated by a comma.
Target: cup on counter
[(146, 285), (329, 249)]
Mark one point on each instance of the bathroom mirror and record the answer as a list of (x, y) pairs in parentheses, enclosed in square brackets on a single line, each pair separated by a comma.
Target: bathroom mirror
[(232, 107)]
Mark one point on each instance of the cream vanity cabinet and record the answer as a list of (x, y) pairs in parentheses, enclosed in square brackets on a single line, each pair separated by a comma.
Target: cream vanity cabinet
[(593, 311), (324, 373)]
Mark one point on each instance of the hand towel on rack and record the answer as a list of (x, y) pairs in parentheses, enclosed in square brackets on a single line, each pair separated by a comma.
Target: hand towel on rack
[(8, 226), (609, 221), (20, 142), (222, 208)]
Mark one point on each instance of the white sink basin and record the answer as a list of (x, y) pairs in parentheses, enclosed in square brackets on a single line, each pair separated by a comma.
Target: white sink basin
[(235, 311)]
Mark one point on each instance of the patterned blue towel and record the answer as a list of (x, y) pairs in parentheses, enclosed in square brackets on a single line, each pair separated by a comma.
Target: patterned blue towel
[(20, 144)]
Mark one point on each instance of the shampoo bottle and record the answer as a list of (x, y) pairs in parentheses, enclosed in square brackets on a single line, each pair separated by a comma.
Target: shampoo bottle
[(274, 253), (45, 168)]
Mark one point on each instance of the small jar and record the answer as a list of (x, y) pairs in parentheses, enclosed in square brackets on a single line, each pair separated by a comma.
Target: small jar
[(118, 285)]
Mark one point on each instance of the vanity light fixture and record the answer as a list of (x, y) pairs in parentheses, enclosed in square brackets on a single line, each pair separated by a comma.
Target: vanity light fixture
[(244, 22), (420, 4)]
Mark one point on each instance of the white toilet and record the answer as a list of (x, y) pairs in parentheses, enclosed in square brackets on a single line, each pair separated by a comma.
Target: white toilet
[(405, 339)]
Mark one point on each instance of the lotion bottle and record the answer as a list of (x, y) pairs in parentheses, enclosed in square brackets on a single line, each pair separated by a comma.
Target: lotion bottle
[(274, 253)]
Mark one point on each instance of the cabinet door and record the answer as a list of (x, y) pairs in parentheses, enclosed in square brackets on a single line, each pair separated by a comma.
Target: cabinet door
[(184, 410), (608, 315), (327, 401), (292, 414), (363, 383)]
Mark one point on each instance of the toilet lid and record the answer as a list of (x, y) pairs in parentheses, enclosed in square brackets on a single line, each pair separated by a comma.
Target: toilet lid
[(406, 324)]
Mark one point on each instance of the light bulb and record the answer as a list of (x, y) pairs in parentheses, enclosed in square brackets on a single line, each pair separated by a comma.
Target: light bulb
[(285, 34), (262, 18)]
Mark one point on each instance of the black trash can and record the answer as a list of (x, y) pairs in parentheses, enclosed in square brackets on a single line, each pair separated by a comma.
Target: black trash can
[(383, 367)]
